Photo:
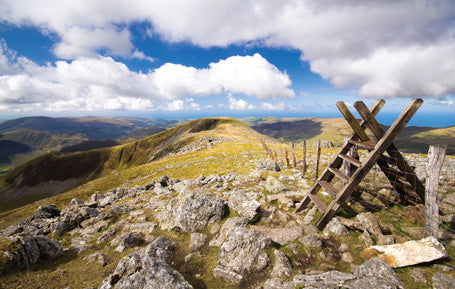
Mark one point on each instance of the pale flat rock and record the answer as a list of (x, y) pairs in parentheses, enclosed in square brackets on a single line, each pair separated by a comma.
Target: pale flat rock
[(408, 253), (281, 236)]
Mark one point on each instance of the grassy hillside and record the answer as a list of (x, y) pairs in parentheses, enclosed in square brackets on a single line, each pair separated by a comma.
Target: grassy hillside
[(44, 140), (55, 172), (8, 148)]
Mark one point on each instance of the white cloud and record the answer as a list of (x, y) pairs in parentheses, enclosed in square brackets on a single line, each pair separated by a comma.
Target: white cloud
[(381, 48), (239, 104), (103, 84), (276, 106)]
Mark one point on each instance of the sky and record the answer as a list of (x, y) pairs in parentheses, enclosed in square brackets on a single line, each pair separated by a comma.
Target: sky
[(200, 58)]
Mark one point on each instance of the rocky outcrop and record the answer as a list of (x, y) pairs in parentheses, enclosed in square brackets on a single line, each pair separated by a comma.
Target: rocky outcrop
[(191, 212), (147, 269), (28, 250), (274, 186), (241, 254), (408, 253)]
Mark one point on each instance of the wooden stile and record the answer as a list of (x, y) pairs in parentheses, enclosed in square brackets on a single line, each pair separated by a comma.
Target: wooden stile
[(408, 183)]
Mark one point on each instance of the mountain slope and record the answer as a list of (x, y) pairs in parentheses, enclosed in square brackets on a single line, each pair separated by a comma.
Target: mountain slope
[(44, 140), (8, 148), (54, 173)]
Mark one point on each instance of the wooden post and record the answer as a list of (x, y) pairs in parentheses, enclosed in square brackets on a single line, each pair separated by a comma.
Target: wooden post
[(294, 161), (282, 158), (318, 155), (304, 157), (276, 157), (287, 158), (436, 155)]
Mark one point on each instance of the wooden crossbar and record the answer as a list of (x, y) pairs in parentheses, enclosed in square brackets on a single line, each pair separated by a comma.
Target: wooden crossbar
[(376, 155)]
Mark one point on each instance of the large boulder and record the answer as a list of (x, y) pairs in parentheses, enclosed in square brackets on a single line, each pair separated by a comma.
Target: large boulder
[(23, 251), (274, 186), (226, 229), (148, 269), (244, 204), (241, 254), (191, 212)]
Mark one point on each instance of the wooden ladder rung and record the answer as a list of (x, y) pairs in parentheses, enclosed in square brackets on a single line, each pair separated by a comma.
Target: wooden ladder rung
[(369, 145), (339, 174), (329, 188), (351, 160), (315, 199), (387, 159)]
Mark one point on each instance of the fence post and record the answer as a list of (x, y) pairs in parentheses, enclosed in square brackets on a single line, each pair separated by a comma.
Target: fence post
[(318, 155), (304, 157), (436, 156), (287, 158), (294, 161)]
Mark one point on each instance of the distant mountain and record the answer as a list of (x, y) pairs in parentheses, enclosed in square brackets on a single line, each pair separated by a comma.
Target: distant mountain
[(9, 148), (412, 139), (44, 140), (95, 128)]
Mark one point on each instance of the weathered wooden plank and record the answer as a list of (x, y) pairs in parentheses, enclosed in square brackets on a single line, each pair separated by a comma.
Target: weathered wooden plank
[(329, 188), (339, 174), (356, 127), (436, 155), (369, 145), (351, 160), (318, 155), (319, 204)]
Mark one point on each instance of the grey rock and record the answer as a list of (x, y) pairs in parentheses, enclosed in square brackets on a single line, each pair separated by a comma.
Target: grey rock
[(311, 241), (163, 181), (269, 165), (197, 241), (148, 269), (419, 275), (386, 239), (367, 239), (442, 281), (241, 254), (336, 227), (281, 236), (130, 239), (46, 212), (368, 221), (374, 273), (243, 204), (75, 202), (330, 279), (88, 213), (276, 283), (96, 197), (274, 186), (282, 266), (191, 212), (30, 250), (227, 227)]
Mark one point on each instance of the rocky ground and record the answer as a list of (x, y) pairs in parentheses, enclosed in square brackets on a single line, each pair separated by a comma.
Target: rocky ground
[(236, 231)]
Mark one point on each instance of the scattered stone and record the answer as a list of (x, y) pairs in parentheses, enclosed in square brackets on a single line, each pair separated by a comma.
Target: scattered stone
[(408, 253), (374, 273), (147, 269), (163, 181), (214, 228), (419, 276), (129, 240), (368, 221), (191, 212), (281, 236), (344, 247), (311, 229), (442, 281), (274, 186), (311, 241), (241, 254), (335, 227), (197, 241), (331, 279), (386, 240), (46, 212), (367, 239), (227, 227), (269, 165), (243, 204), (276, 283), (414, 214), (347, 257), (282, 266)]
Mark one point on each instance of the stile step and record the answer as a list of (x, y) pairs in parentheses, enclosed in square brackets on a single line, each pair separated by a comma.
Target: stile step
[(369, 145), (315, 199), (329, 188), (339, 174), (351, 160)]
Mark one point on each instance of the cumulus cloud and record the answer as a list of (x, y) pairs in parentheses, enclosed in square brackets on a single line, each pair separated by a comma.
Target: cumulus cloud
[(344, 41), (239, 104), (102, 83)]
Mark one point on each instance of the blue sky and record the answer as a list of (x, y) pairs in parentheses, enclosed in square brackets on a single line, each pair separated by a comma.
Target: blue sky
[(197, 58)]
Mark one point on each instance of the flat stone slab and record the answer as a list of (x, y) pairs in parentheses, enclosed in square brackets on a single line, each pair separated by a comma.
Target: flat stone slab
[(281, 236), (408, 253)]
